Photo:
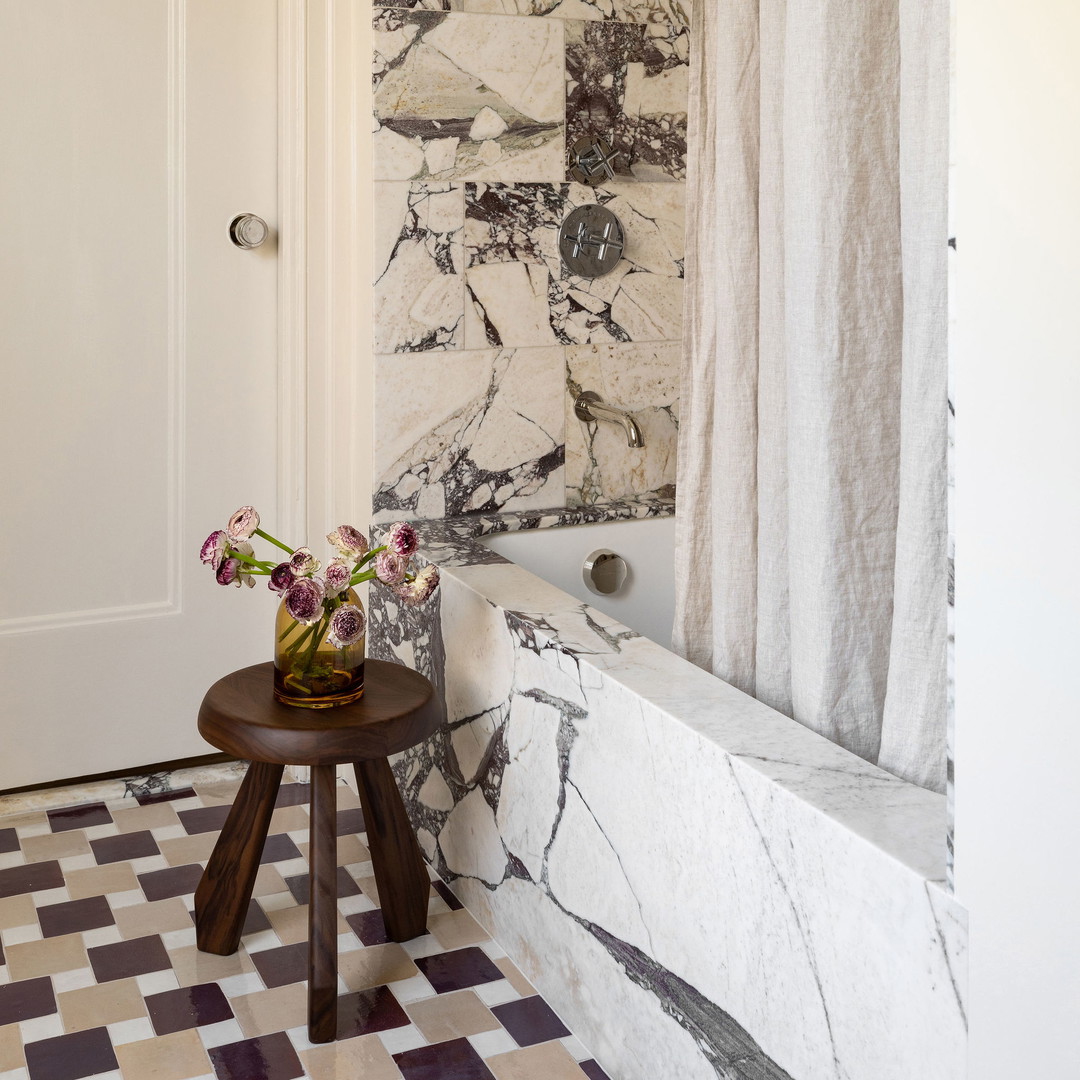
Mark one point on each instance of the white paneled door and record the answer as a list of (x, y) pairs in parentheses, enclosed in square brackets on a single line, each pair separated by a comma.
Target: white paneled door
[(139, 352)]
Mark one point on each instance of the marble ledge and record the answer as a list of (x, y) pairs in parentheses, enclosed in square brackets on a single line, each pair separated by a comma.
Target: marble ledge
[(639, 11)]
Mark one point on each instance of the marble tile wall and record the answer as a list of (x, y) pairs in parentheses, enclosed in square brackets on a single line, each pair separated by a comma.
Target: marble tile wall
[(474, 103)]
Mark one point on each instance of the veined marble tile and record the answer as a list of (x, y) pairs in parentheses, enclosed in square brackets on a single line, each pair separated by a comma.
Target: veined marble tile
[(419, 292), (481, 431), (642, 11), (462, 95), (422, 5), (630, 83), (520, 294), (644, 379)]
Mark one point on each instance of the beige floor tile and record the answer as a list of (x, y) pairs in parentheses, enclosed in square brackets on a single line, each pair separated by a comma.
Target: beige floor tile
[(192, 966), (154, 816), (11, 1052), (55, 846), (188, 849), (267, 1011), (347, 799), (99, 880), (350, 850), (369, 889), (33, 958), (158, 917), (24, 821), (364, 1057), (514, 977), (96, 1006), (548, 1061), (375, 965), (216, 794), (179, 1056), (291, 924), (17, 911), (288, 819), (456, 929), (268, 881), (451, 1016)]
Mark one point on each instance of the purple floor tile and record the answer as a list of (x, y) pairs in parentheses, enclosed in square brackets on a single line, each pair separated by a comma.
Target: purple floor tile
[(453, 1060), (458, 969), (172, 881), (188, 1007), (298, 886), (293, 795), (255, 921), (71, 1057), (3, 960), (279, 848), (26, 1000), (452, 902), (283, 965), (593, 1071), (33, 877), (75, 916), (350, 821), (530, 1020), (165, 796), (125, 959), (269, 1057), (9, 841), (369, 927), (204, 818), (126, 846), (369, 1011), (78, 817)]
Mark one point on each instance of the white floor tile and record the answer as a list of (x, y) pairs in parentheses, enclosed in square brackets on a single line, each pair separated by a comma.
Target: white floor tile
[(41, 1027), (228, 1031), (74, 980), (129, 1031), (489, 1043), (399, 1040), (422, 946), (415, 989), (496, 993), (157, 982)]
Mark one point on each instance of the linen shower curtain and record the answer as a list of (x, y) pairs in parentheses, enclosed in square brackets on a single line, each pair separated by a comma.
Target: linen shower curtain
[(811, 537)]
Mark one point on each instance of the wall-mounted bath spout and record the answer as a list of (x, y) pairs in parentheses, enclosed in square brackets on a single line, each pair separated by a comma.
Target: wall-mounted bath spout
[(589, 406)]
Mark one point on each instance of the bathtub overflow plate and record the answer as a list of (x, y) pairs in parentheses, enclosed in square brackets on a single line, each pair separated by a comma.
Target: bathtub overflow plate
[(604, 572)]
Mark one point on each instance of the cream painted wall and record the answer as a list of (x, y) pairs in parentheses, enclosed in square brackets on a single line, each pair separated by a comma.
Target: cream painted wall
[(1017, 368)]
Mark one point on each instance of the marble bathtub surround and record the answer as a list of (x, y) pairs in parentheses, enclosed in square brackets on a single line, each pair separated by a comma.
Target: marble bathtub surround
[(629, 83), (486, 434), (600, 467), (460, 95), (422, 5), (641, 11), (519, 293), (776, 915), (418, 266)]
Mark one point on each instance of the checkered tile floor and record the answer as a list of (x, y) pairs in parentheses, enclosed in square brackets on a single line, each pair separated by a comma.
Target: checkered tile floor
[(100, 976)]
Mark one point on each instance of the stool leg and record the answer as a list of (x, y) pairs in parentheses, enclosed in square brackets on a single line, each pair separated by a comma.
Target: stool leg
[(322, 906), (395, 856), (221, 900)]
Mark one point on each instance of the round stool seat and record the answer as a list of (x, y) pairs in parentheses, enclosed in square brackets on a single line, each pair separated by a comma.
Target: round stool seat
[(240, 716)]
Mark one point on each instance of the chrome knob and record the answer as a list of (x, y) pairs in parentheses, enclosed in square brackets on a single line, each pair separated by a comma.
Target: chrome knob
[(248, 230)]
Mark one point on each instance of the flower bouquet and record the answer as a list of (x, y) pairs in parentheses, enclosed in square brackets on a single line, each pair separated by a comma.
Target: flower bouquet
[(320, 637)]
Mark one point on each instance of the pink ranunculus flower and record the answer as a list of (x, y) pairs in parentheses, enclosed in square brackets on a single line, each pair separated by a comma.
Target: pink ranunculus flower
[(402, 539), (390, 568), (303, 563), (337, 575), (243, 574), (350, 542), (421, 587), (281, 577), (347, 626), (228, 573), (304, 600), (213, 549), (242, 524)]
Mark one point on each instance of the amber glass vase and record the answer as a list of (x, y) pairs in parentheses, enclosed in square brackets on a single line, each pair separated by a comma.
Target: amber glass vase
[(311, 672)]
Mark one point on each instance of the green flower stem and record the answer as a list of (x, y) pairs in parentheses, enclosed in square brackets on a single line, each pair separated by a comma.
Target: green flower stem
[(263, 567), (368, 557), (368, 575), (275, 542)]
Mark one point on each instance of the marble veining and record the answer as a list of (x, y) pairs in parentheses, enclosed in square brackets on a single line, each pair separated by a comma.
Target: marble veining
[(811, 929), (418, 267), (518, 292), (640, 11), (630, 83), (461, 95), (469, 435), (422, 5), (642, 378)]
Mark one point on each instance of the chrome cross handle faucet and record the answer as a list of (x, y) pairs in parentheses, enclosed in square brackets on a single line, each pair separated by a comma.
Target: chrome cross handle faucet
[(590, 406)]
